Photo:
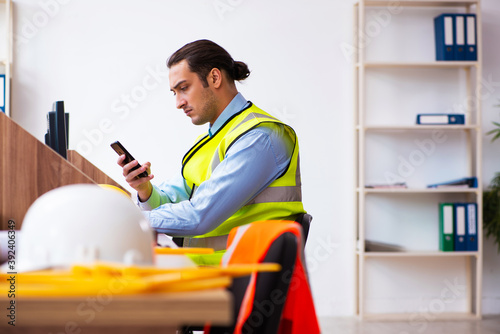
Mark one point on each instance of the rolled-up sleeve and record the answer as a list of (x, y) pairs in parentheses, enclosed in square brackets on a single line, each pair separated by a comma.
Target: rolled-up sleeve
[(173, 191)]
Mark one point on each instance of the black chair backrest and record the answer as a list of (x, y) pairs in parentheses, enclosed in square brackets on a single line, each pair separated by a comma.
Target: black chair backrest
[(270, 292), (304, 219)]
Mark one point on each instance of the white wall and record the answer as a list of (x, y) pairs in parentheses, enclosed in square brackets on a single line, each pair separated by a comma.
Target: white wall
[(491, 158), (106, 59)]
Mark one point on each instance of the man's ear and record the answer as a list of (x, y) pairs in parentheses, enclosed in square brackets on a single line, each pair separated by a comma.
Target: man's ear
[(215, 78)]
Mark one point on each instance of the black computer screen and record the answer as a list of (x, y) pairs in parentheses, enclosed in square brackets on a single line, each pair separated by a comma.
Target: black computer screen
[(58, 129)]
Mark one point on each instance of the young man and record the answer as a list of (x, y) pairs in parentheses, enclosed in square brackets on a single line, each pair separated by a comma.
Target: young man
[(244, 169)]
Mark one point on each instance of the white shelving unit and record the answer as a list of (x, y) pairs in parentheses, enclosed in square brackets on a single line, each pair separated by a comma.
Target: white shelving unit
[(415, 201), (6, 44)]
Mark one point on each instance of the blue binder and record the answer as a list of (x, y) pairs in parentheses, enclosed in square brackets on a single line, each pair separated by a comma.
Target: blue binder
[(460, 226), (465, 182), (459, 45), (440, 119), (471, 219), (2, 92), (444, 35), (470, 37)]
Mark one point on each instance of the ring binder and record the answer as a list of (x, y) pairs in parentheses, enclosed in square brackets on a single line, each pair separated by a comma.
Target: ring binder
[(470, 37), (444, 32)]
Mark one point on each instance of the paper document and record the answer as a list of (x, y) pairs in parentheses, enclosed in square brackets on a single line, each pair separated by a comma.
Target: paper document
[(164, 240)]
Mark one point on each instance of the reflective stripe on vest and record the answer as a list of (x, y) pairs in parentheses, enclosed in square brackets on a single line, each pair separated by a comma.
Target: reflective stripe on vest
[(216, 243)]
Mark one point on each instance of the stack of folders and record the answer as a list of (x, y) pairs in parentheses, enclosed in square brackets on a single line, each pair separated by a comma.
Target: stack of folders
[(397, 185), (466, 182), (455, 37), (458, 227)]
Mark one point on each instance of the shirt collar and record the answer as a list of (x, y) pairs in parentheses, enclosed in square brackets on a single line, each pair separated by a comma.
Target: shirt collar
[(236, 105)]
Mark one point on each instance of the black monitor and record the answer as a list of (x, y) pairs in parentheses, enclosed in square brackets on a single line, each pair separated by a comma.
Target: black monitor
[(58, 129)]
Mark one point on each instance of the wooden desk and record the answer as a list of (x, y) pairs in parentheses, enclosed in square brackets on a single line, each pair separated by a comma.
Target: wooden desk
[(107, 313)]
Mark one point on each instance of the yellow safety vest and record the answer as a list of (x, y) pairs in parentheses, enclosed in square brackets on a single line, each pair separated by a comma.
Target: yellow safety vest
[(282, 199)]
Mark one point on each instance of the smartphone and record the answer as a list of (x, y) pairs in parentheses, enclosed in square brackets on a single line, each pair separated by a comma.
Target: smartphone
[(118, 147)]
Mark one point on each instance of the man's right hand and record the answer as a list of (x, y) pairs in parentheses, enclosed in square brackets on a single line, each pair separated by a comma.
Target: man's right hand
[(142, 185)]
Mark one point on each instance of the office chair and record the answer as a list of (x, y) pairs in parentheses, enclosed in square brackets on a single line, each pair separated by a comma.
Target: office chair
[(271, 289), (282, 251)]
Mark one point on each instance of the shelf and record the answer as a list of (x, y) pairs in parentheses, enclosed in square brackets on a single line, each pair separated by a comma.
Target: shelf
[(435, 316), (432, 64), (419, 191), (382, 81), (416, 254), (420, 3), (416, 127)]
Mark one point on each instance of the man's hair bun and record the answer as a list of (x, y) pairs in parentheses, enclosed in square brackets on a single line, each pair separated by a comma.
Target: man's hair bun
[(240, 71)]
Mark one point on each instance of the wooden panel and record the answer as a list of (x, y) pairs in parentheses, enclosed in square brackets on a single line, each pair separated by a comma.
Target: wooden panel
[(70, 327), (91, 170), (108, 310), (29, 169)]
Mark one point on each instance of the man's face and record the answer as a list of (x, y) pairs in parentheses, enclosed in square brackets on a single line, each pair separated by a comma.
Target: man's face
[(198, 102)]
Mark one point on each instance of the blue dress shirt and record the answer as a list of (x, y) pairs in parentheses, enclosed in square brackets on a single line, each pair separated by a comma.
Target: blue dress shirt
[(253, 162)]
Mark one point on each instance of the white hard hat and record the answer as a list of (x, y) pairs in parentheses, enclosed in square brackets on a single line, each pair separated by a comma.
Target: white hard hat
[(82, 224)]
